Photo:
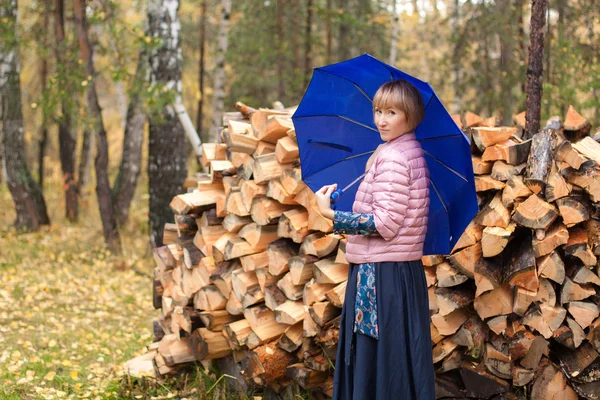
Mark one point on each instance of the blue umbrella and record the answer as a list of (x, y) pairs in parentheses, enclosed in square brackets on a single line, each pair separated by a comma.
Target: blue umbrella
[(336, 136)]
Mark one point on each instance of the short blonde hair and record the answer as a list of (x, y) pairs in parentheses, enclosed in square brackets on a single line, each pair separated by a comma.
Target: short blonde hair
[(404, 96)]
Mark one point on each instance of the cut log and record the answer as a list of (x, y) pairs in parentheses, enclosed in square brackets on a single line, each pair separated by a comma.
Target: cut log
[(275, 128), (583, 313), (432, 260), (255, 261), (481, 384), (495, 302), (577, 246), (286, 150), (301, 268), (290, 312), (443, 349), (551, 266), (484, 183), (323, 312), (291, 339), (497, 362), (540, 160), (222, 276), (319, 244), (236, 248), (314, 292), (276, 191), (265, 278), (551, 384), (240, 142), (503, 171), (472, 119), (209, 298), (263, 324), (274, 296), (514, 190), (293, 224), (449, 300), (304, 376), (494, 213), (257, 235), (508, 151), (498, 324), (250, 190), (466, 259), (220, 169), (449, 324), (192, 203), (485, 137), (237, 332), (522, 301), (494, 239), (273, 362), (481, 167), (213, 151), (556, 187), (571, 291), (583, 275), (265, 210), (520, 264), (291, 291), (266, 168), (557, 235), (448, 276), (535, 213), (546, 293), (216, 320), (234, 223), (208, 345), (291, 179), (175, 350), (572, 210), (328, 271), (280, 252), (337, 294), (264, 148), (537, 349), (577, 330), (207, 236)]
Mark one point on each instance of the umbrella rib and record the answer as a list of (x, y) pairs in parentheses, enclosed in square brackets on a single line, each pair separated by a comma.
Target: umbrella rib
[(337, 162), (346, 79), (439, 195), (446, 166)]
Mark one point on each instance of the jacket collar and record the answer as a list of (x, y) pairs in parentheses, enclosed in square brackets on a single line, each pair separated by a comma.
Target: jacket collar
[(403, 138)]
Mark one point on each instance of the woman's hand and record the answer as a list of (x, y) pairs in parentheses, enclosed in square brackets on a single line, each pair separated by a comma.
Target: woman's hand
[(323, 197)]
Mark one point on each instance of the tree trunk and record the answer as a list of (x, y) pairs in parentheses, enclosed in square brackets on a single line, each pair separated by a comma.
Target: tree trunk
[(281, 44), (85, 160), (506, 60), (308, 43), (200, 115), (535, 68), (109, 221), (219, 85), (167, 156), (522, 46), (43, 78), (131, 161), (456, 70), (25, 191), (66, 135), (343, 45), (329, 30), (395, 29)]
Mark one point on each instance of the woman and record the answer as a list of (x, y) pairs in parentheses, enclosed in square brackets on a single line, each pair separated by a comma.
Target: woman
[(384, 349)]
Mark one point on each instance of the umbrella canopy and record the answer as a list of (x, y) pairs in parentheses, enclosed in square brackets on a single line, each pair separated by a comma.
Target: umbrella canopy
[(336, 136)]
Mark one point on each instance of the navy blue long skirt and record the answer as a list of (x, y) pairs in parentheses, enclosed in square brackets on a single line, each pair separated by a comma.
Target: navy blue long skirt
[(399, 365)]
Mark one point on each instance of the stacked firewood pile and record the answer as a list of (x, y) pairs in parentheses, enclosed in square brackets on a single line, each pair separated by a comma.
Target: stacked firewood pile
[(251, 275)]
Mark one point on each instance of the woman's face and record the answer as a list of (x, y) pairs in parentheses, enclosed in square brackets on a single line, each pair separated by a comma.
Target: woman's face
[(391, 122)]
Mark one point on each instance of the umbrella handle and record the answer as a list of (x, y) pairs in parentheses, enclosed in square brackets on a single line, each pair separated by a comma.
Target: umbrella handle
[(336, 195)]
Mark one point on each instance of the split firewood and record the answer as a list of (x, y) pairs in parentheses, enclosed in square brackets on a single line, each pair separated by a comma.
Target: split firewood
[(488, 276), (209, 298), (485, 137), (304, 376), (583, 313), (509, 151), (481, 167), (250, 190), (545, 319), (587, 177), (216, 320), (192, 203), (280, 252), (255, 261), (448, 276), (576, 126), (240, 142), (337, 294), (522, 300), (443, 349), (485, 182), (520, 264), (557, 235), (267, 167), (290, 312), (234, 204), (572, 211), (220, 169), (208, 345), (206, 237), (466, 259), (556, 187), (291, 339), (430, 276), (494, 239), (494, 213), (213, 151), (454, 298), (535, 213), (293, 224), (551, 384), (265, 278), (536, 350), (583, 275), (264, 148), (291, 179), (237, 332), (449, 324), (323, 312), (301, 268), (319, 244), (551, 266), (481, 384), (234, 223), (275, 128), (175, 350), (472, 119), (502, 171), (291, 291), (263, 324), (314, 292), (328, 271), (566, 153), (577, 246), (274, 297), (514, 190), (572, 291), (221, 278), (497, 362), (495, 302), (265, 210), (286, 150), (432, 260), (276, 191)]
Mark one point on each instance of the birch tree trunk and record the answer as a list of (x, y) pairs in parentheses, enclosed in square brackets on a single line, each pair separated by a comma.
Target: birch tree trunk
[(395, 29), (308, 43), (66, 134), (131, 161), (25, 191), (219, 85), (535, 68), (200, 114), (167, 156), (109, 221)]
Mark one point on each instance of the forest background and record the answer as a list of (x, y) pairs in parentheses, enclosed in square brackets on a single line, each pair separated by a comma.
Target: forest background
[(98, 78)]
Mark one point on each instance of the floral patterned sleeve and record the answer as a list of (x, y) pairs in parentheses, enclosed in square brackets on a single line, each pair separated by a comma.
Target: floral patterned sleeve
[(354, 223)]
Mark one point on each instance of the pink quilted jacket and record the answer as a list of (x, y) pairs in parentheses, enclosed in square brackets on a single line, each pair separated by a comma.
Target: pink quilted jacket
[(396, 192)]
